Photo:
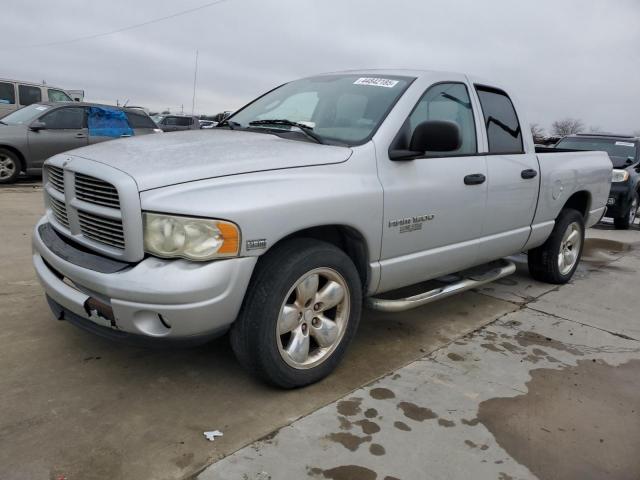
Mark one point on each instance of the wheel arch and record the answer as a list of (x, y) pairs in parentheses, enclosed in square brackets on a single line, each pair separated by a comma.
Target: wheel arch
[(346, 238), (580, 201)]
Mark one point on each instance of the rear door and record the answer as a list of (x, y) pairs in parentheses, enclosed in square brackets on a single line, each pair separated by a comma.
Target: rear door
[(432, 217), (513, 177), (65, 130), (140, 123)]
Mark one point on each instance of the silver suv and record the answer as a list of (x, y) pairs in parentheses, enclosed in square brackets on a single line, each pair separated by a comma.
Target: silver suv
[(15, 94)]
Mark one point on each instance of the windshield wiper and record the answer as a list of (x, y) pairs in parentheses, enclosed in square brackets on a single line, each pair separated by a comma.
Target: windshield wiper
[(305, 129), (230, 123), (3, 123)]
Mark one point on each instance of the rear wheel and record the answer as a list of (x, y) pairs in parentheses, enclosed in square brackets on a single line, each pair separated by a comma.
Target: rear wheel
[(624, 222), (556, 260), (9, 166), (301, 310)]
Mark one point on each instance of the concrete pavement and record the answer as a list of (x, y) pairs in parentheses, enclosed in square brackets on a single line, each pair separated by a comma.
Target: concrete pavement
[(75, 406)]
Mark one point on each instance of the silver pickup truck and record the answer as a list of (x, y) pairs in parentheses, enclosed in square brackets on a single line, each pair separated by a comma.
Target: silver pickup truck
[(316, 198)]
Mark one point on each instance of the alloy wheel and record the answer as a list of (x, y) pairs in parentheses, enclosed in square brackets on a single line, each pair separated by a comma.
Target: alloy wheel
[(570, 248)]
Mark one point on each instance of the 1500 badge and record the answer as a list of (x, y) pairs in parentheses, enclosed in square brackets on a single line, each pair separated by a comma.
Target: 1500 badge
[(410, 224)]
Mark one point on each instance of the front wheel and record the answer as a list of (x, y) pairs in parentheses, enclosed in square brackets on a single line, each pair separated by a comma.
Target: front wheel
[(556, 260), (300, 312), (624, 222), (9, 166)]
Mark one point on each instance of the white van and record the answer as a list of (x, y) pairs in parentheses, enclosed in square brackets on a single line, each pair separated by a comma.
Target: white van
[(15, 94)]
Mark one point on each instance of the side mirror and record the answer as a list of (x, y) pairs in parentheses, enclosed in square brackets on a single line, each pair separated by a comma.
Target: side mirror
[(430, 136), (37, 126)]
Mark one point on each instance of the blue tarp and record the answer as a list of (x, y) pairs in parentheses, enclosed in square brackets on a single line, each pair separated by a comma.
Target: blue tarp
[(108, 122)]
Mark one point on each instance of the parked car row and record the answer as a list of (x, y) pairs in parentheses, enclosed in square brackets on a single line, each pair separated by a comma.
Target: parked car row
[(34, 133)]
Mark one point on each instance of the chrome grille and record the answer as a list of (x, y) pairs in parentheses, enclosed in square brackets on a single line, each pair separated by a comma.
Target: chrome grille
[(56, 178), (96, 191), (105, 230), (59, 210)]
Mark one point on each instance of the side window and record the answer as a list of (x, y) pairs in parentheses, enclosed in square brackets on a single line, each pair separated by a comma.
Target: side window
[(137, 120), (29, 94), (501, 121), (183, 121), (64, 118), (58, 96), (170, 121), (449, 102), (7, 94)]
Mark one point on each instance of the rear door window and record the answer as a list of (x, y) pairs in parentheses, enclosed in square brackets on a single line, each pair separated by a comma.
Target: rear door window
[(137, 120), (29, 94), (7, 94), (500, 118), (64, 119)]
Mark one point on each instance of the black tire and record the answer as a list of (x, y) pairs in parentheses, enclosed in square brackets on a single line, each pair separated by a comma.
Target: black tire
[(624, 222), (544, 260), (254, 339), (9, 166)]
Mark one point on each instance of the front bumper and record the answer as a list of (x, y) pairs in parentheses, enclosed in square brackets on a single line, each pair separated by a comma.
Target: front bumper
[(162, 299), (619, 201)]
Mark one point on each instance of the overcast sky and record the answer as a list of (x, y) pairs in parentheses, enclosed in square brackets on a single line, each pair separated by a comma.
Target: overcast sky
[(576, 58)]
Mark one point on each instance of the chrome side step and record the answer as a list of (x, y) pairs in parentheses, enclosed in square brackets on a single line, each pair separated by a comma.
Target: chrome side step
[(465, 280)]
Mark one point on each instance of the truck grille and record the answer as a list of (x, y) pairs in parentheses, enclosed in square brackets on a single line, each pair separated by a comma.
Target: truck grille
[(96, 191), (59, 210), (98, 208), (105, 230), (56, 178)]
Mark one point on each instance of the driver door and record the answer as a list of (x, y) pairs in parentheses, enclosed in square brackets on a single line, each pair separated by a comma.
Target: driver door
[(433, 213), (65, 129)]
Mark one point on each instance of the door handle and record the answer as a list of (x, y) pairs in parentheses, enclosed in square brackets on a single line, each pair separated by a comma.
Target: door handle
[(528, 173), (125, 135), (81, 135), (474, 179)]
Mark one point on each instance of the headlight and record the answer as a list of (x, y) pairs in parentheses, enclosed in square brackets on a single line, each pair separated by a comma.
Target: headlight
[(172, 236), (619, 176)]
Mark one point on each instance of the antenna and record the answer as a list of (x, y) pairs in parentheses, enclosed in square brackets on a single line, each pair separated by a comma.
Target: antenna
[(195, 78)]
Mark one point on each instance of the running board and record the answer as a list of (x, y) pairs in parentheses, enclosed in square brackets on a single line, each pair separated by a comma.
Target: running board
[(465, 280)]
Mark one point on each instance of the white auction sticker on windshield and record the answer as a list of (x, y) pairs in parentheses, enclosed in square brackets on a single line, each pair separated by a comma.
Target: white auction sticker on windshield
[(376, 82), (625, 144), (41, 108)]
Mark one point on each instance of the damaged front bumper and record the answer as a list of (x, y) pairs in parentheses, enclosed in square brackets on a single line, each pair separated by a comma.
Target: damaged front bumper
[(157, 299)]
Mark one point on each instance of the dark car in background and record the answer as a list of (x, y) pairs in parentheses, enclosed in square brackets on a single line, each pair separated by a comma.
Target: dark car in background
[(32, 134), (177, 122), (624, 152)]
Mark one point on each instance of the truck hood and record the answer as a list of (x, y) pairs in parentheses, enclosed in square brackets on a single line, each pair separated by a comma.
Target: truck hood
[(167, 159)]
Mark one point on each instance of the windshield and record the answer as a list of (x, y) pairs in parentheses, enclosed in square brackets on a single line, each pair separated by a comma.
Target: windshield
[(343, 109), (25, 115), (621, 149), (157, 118)]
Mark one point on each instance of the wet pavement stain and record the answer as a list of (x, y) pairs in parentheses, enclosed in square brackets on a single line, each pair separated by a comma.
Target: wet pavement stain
[(371, 413), (349, 407), (368, 427), (345, 472), (348, 440), (345, 423), (381, 393), (402, 426), (415, 412), (455, 357), (492, 347), (504, 476), (446, 423), (526, 339), (472, 423), (555, 436), (377, 449)]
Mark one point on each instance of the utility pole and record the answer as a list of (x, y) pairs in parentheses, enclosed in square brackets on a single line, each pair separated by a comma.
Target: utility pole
[(195, 77)]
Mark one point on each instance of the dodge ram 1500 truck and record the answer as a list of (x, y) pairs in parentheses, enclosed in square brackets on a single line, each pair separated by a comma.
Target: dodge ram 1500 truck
[(312, 200)]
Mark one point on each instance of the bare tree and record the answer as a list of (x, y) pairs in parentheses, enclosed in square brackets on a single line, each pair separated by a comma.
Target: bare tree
[(537, 132), (567, 126), (595, 129)]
